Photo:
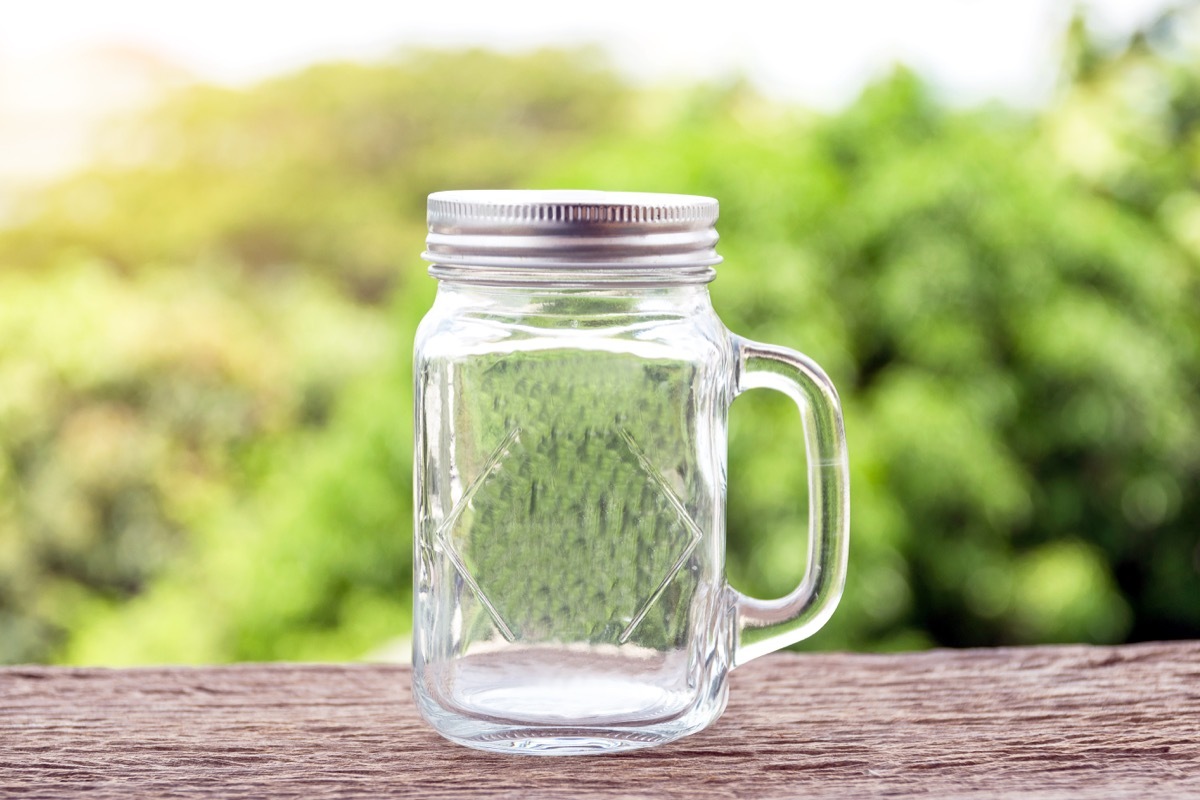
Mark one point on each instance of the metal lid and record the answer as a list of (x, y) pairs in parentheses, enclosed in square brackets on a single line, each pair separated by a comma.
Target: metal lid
[(571, 229)]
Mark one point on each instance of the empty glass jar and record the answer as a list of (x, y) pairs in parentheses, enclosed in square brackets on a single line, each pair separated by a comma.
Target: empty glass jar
[(572, 389)]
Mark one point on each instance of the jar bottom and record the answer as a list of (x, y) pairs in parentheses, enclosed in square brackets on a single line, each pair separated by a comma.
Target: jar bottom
[(541, 740), (561, 741), (515, 707)]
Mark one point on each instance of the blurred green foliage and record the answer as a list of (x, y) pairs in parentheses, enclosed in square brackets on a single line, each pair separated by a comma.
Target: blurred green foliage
[(577, 535), (205, 422)]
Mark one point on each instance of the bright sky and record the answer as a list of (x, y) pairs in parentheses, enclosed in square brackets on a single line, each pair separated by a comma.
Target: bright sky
[(815, 52)]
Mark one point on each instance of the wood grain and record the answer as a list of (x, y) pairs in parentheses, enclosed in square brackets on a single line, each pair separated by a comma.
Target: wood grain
[(1077, 722)]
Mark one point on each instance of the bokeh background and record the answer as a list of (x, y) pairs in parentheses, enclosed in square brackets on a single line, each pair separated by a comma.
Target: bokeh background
[(982, 218)]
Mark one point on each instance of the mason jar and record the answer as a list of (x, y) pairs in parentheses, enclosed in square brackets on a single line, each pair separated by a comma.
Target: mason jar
[(572, 389)]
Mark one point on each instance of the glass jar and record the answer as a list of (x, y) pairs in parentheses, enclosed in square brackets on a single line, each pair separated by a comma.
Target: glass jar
[(572, 389)]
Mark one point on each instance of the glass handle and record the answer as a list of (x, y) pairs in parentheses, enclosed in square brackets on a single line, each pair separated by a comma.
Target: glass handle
[(767, 625)]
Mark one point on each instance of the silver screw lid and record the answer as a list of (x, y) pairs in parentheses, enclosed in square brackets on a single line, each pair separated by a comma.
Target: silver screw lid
[(570, 229)]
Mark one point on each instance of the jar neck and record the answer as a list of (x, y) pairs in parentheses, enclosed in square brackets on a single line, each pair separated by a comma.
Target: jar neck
[(675, 299), (582, 276)]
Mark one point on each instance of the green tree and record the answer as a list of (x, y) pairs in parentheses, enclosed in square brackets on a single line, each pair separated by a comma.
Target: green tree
[(186, 472), (1016, 350)]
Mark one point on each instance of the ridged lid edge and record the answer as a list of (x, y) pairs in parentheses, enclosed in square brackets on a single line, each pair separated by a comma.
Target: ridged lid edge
[(563, 229), (481, 208)]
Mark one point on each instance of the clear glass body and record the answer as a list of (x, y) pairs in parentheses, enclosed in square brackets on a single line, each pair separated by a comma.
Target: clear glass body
[(570, 497)]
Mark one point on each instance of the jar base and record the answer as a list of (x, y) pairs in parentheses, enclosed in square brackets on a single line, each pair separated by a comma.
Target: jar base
[(499, 735), (561, 741), (570, 699)]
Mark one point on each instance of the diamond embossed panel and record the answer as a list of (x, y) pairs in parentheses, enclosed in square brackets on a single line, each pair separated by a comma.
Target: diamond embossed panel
[(577, 520)]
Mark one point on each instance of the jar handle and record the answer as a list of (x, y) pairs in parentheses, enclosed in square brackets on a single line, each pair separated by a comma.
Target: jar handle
[(768, 625)]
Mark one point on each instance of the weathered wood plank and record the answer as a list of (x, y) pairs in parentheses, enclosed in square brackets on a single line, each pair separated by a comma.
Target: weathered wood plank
[(1063, 722)]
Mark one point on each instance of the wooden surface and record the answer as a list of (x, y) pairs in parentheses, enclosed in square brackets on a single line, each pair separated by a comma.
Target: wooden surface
[(1065, 722)]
